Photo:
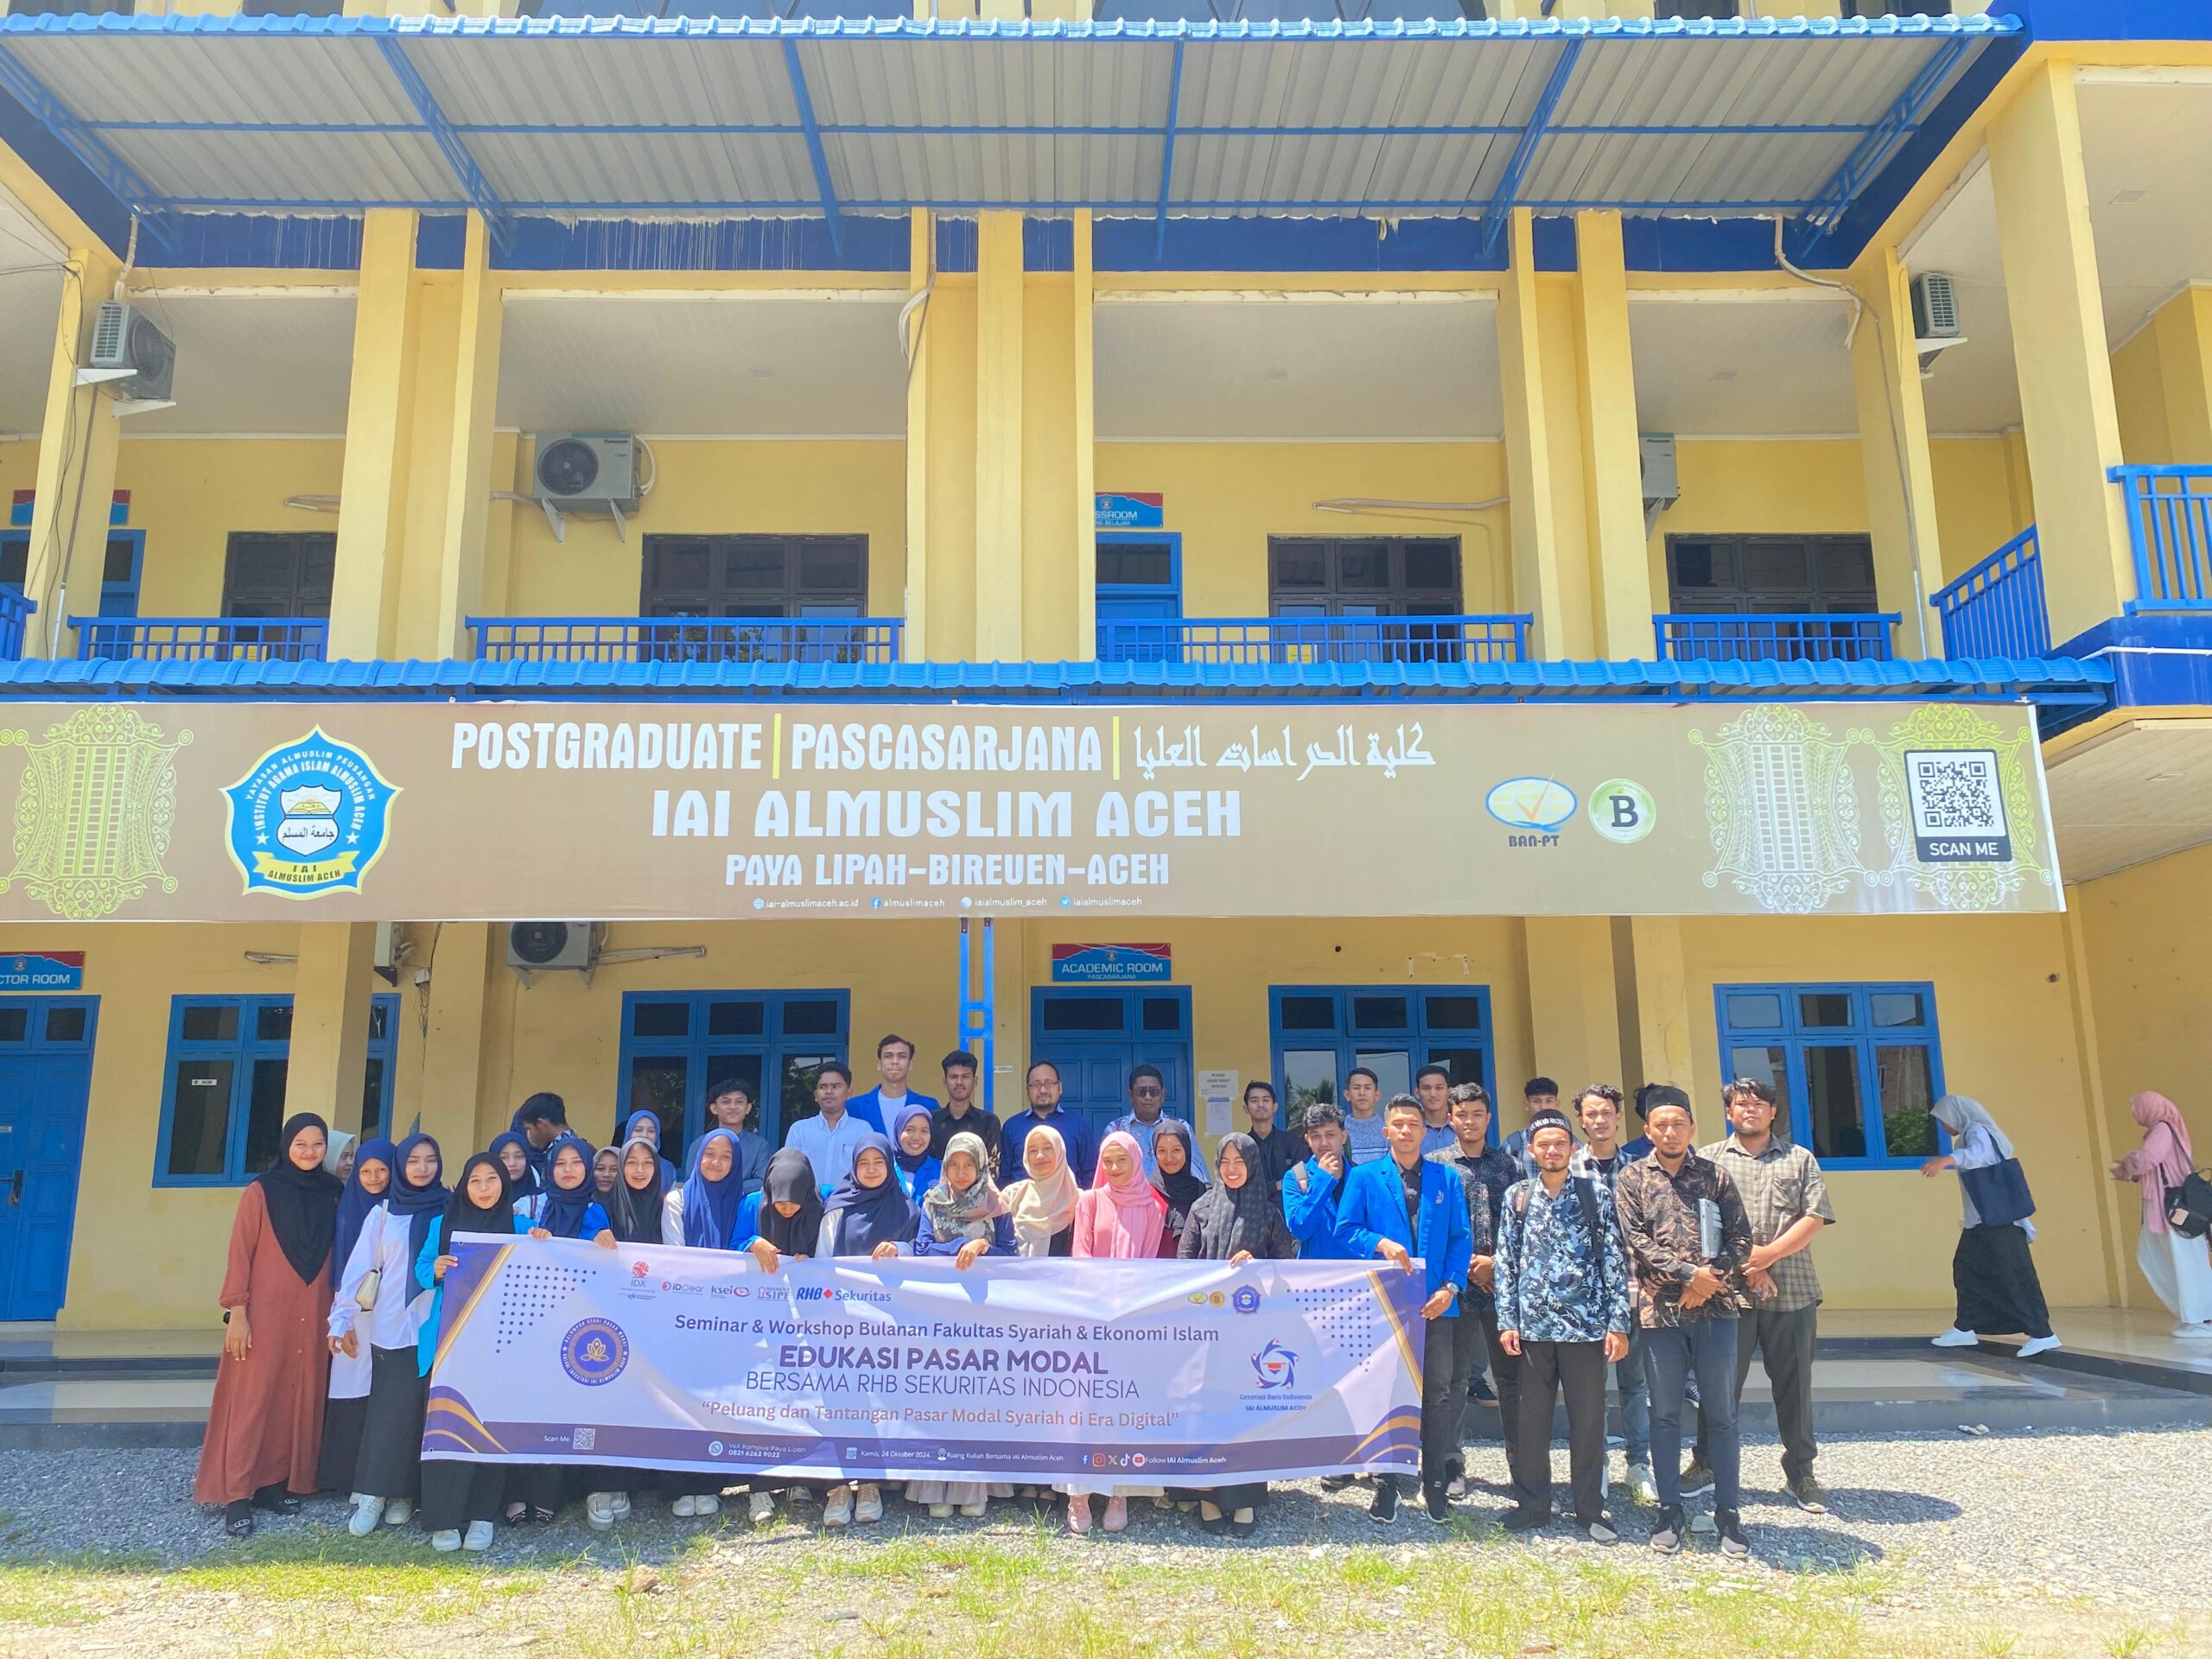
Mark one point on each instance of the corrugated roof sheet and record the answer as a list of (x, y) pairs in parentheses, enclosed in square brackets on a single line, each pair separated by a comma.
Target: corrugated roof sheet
[(2034, 677), (633, 115)]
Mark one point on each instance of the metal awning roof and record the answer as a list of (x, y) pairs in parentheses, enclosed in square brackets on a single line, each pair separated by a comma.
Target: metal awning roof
[(640, 118), (2041, 679)]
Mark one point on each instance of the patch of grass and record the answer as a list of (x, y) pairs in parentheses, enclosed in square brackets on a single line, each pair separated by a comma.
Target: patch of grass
[(40, 1597), (2125, 1644)]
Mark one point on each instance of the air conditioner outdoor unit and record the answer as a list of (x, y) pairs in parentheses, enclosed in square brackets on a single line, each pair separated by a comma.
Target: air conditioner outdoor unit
[(1936, 325), (1662, 482), (537, 946), (131, 354)]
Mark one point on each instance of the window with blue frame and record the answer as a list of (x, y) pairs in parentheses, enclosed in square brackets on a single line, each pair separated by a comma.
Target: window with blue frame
[(223, 1090), (678, 1044), (1319, 1033), (1856, 1070), (126, 554)]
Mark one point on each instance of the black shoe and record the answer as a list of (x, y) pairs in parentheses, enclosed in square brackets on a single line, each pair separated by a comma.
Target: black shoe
[(1384, 1509), (1601, 1530), (1244, 1528), (1436, 1505), (1525, 1520), (1337, 1483), (237, 1518), (275, 1499), (1666, 1535), (1730, 1525), (1216, 1525), (1479, 1390)]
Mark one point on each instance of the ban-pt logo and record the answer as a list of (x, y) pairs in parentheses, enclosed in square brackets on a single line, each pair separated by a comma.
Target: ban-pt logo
[(310, 818)]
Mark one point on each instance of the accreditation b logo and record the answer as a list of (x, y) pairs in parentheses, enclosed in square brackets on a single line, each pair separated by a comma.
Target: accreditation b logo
[(1621, 810), (310, 818)]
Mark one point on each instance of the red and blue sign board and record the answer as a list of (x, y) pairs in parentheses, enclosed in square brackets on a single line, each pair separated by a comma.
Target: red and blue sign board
[(42, 970), (1142, 510), (1111, 964)]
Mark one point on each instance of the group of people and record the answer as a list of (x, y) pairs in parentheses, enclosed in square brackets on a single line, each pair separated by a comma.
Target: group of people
[(1557, 1259)]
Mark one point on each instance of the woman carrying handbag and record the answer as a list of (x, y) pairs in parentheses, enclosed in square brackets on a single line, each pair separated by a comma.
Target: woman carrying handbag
[(1998, 1293)]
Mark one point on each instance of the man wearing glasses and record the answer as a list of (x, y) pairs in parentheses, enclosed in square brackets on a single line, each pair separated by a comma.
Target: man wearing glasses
[(1147, 1105)]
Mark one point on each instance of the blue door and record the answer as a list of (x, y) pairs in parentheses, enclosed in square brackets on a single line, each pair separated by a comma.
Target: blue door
[(1097, 1035), (45, 1081)]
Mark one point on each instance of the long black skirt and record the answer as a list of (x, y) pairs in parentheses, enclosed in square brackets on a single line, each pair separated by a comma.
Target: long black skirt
[(390, 1463), (455, 1493), (342, 1423), (1995, 1277)]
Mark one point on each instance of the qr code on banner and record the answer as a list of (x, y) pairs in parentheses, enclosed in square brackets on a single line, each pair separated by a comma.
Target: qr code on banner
[(1958, 807), (584, 1439)]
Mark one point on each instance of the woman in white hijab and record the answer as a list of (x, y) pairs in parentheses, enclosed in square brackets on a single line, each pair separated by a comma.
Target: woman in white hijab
[(1998, 1293)]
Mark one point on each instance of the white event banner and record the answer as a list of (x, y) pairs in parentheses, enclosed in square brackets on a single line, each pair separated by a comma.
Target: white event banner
[(1173, 1373)]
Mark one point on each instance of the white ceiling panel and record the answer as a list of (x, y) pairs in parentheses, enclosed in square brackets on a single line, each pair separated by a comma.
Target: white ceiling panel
[(1732, 365), (1301, 369), (268, 362), (725, 366), (30, 301), (2127, 796)]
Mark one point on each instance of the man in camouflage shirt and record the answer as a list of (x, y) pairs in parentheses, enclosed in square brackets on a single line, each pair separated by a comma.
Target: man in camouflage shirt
[(1688, 1300)]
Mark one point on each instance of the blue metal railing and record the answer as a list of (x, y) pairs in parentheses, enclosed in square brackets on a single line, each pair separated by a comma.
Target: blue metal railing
[(2169, 522), (1315, 639), (1793, 637), (15, 618), (1996, 609), (202, 639), (686, 640)]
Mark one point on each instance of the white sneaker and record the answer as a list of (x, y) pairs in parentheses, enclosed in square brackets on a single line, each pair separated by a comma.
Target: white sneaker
[(763, 1507), (478, 1539), (973, 1512), (706, 1503), (445, 1542), (1641, 1486), (2035, 1346), (367, 1511), (2188, 1332), (621, 1505), (1954, 1337), (868, 1505), (837, 1511), (599, 1511), (399, 1512), (685, 1507)]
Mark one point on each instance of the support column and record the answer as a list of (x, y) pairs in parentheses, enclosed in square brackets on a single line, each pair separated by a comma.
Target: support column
[(1085, 645), (365, 585), (999, 279), (2059, 351), (2182, 336), (1573, 1007), (468, 475), (1893, 452), (921, 271), (2116, 1220), (1529, 464), (453, 1048), (1620, 571), (75, 482), (1654, 1009), (331, 988)]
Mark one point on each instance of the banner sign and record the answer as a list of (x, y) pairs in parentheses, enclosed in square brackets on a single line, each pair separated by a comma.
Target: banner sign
[(1112, 964), (1128, 509), (42, 970), (1136, 1373), (426, 811)]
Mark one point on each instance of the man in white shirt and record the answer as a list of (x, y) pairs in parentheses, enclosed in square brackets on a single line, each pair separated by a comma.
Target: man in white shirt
[(1147, 1095), (894, 1064), (830, 1139)]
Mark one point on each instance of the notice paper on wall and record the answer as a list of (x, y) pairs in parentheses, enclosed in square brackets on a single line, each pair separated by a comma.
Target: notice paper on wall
[(1218, 1090)]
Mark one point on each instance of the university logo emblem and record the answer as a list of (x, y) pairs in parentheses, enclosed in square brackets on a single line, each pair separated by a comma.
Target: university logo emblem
[(311, 817), (1276, 1366), (93, 817), (594, 1351)]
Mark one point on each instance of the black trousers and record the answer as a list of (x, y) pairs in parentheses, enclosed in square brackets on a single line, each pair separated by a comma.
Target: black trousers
[(1578, 1368), (455, 1493), (1785, 1342), (1505, 1372), (391, 1460), (1441, 1410)]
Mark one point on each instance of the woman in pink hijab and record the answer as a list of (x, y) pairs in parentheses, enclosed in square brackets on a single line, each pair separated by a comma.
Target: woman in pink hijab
[(2179, 1268)]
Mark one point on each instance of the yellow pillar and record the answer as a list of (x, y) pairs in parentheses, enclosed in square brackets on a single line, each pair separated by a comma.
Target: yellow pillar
[(1893, 452), (2115, 1220), (1573, 1008), (921, 271), (2059, 350), (373, 511), (1085, 644), (331, 988), (1620, 574), (1529, 463), (75, 482), (2182, 333), (999, 303), (1655, 1005), (453, 1048), (468, 474)]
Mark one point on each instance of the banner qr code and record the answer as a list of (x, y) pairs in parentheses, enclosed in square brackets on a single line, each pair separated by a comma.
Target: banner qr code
[(1958, 807)]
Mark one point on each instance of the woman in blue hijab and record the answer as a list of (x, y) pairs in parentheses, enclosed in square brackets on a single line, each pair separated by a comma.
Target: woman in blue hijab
[(646, 1126), (916, 1170), (512, 1153), (701, 1214), (569, 1206)]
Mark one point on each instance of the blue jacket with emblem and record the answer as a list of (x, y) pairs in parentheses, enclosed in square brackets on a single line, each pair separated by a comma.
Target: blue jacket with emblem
[(1374, 1209)]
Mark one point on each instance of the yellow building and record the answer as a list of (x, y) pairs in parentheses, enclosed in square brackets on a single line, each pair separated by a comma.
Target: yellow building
[(1606, 443)]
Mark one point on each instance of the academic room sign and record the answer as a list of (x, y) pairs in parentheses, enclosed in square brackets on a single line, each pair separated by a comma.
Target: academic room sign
[(397, 811)]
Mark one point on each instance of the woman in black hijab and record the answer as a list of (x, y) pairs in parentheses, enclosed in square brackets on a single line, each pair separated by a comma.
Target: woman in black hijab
[(457, 1494), (1179, 1187), (264, 1429), (1237, 1221), (633, 1209), (786, 1214)]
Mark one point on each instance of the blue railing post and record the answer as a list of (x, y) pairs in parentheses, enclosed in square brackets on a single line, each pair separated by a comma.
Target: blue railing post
[(1996, 609), (201, 638), (1775, 637), (2169, 531), (1297, 640), (15, 618), (685, 638)]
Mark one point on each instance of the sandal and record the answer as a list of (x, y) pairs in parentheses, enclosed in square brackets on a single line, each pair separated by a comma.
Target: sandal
[(276, 1501), (517, 1514), (542, 1517), (237, 1518)]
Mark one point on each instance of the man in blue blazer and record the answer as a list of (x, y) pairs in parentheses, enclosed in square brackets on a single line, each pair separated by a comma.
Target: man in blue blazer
[(1400, 1208)]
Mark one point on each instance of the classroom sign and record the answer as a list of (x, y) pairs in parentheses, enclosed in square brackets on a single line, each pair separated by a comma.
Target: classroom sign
[(1099, 816), (1196, 1373)]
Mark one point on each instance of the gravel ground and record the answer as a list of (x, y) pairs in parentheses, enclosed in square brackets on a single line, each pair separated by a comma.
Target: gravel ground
[(2112, 1519)]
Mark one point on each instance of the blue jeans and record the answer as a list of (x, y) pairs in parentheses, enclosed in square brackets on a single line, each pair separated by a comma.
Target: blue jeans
[(1669, 1355), (1636, 1401)]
